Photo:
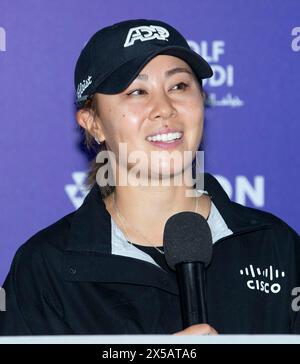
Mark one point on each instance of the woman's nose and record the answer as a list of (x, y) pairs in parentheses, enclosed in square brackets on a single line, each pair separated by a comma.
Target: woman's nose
[(162, 107)]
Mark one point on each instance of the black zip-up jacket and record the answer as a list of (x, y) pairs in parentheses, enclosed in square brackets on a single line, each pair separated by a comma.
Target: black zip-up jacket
[(65, 279)]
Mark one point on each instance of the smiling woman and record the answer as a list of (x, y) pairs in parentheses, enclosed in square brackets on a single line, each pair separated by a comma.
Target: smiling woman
[(102, 269), (161, 110)]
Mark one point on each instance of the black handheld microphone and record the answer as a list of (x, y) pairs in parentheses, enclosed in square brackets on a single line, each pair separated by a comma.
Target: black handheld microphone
[(188, 250)]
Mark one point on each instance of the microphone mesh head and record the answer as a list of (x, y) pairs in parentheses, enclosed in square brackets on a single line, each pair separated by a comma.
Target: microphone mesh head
[(187, 238)]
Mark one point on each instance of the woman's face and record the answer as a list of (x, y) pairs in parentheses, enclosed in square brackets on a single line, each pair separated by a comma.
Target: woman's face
[(165, 98)]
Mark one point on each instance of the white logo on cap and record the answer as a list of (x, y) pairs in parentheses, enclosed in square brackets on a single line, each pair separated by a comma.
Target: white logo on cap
[(83, 86), (146, 32)]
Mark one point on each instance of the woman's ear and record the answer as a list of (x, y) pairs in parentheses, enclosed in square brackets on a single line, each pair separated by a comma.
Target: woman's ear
[(87, 119)]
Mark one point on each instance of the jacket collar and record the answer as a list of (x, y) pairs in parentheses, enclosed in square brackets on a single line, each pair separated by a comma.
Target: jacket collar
[(91, 223), (88, 255)]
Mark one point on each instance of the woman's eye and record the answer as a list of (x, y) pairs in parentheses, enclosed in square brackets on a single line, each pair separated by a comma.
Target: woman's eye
[(138, 91), (181, 86)]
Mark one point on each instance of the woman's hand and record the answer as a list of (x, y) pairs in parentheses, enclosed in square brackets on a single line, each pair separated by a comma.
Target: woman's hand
[(199, 329)]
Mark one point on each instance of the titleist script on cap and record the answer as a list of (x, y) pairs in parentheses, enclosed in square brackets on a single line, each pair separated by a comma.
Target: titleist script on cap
[(146, 32), (83, 86)]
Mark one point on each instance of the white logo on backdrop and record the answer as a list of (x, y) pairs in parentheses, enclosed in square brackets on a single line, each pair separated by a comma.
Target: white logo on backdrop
[(223, 73), (296, 41), (77, 191), (263, 279), (2, 40), (245, 190), (144, 33)]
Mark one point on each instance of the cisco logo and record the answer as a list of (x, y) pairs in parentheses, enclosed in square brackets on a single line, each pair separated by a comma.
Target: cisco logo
[(263, 279), (2, 40)]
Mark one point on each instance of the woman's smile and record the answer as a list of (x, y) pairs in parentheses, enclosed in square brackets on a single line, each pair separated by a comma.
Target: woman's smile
[(166, 139)]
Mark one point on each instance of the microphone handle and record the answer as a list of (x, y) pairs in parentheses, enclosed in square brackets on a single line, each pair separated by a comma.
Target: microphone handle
[(191, 281)]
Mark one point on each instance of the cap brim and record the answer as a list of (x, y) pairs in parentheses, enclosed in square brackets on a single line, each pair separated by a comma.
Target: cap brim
[(122, 77)]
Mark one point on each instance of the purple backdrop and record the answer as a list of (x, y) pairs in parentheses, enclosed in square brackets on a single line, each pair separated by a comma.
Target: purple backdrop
[(252, 123)]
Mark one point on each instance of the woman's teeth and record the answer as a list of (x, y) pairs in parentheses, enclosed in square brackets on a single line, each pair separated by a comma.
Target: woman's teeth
[(164, 137)]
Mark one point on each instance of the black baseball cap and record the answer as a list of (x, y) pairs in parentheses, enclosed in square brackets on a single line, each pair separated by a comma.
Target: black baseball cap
[(115, 55)]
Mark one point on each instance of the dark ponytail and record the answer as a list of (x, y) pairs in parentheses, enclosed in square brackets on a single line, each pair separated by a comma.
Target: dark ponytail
[(94, 147)]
